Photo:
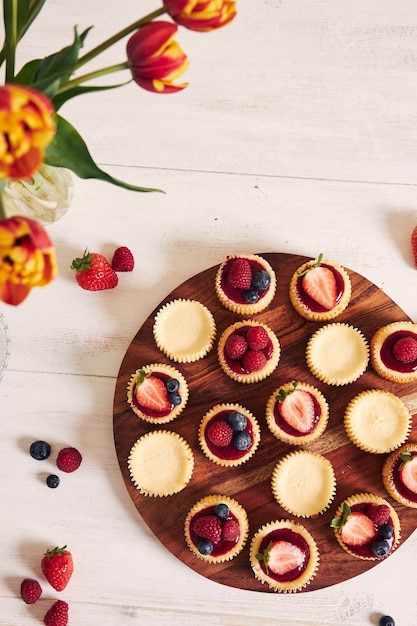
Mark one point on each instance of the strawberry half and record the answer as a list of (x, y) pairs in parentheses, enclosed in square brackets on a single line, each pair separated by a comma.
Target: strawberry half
[(319, 283), (408, 474), (358, 530), (297, 409), (284, 557), (93, 272), (151, 393)]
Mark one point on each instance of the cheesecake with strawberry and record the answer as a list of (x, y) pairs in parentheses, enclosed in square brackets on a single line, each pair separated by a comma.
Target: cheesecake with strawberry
[(248, 351), (394, 352), (245, 283), (229, 434), (284, 555), (367, 527), (157, 393), (399, 475), (297, 413), (320, 290), (216, 528)]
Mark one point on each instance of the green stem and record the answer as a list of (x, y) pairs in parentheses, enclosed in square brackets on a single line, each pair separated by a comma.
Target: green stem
[(112, 40), (11, 41), (91, 75)]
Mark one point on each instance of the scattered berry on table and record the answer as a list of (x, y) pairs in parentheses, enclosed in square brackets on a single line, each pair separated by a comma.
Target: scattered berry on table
[(30, 590), (208, 527), (220, 433), (253, 360), (57, 614), (414, 244), (257, 338), (93, 272), (240, 274), (261, 280), (230, 530), (236, 346), (40, 450), (237, 420), (242, 441), (52, 481), (221, 510), (378, 513), (57, 566), (205, 547), (386, 620), (251, 296), (405, 349), (123, 260), (69, 459)]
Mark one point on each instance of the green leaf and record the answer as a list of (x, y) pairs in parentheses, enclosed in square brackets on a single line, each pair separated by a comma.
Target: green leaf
[(26, 12), (60, 98), (69, 150)]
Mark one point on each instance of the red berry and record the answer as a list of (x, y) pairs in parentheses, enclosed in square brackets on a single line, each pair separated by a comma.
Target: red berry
[(30, 590), (230, 530), (123, 260), (93, 272), (68, 460), (220, 433), (240, 274), (405, 349), (253, 360), (414, 244), (208, 527), (57, 614), (57, 566), (378, 513), (236, 346), (257, 337)]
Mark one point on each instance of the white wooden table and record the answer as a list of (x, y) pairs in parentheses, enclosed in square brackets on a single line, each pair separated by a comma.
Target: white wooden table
[(297, 133)]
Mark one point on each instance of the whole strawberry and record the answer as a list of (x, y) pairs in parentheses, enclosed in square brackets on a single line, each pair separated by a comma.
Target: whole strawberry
[(57, 566), (57, 614), (30, 590), (123, 260), (93, 272), (414, 244), (68, 459)]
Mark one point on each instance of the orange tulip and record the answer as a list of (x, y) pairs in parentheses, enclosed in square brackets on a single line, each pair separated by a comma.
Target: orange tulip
[(156, 61), (26, 129), (27, 258), (201, 15)]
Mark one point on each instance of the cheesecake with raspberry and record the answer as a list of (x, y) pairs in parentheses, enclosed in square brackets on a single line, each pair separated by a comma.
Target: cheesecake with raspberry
[(394, 352), (399, 475)]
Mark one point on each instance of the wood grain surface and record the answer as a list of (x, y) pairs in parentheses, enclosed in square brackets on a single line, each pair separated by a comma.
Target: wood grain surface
[(355, 470)]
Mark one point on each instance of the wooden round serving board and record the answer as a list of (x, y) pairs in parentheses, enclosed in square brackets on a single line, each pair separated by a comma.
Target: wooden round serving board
[(355, 470)]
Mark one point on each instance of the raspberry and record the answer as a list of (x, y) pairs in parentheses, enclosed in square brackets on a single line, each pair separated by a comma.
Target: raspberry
[(414, 244), (220, 433), (253, 360), (230, 530), (30, 590), (240, 274), (123, 260), (57, 614), (236, 346), (68, 460), (257, 338), (405, 349), (378, 513), (208, 527)]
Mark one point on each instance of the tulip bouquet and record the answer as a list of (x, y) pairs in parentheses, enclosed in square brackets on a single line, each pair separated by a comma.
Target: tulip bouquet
[(32, 131)]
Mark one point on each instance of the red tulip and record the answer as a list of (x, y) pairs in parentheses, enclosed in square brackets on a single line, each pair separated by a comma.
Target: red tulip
[(156, 60), (27, 258), (201, 15), (26, 128)]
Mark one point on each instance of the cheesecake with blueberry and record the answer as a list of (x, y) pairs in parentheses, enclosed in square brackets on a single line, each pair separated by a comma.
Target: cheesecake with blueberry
[(399, 475), (394, 352)]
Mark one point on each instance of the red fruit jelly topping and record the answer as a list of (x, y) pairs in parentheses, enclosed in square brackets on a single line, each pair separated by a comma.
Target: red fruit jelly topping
[(221, 547), (236, 365), (387, 354), (228, 453), (311, 304), (286, 534), (287, 428), (234, 294), (366, 549), (401, 488), (152, 412)]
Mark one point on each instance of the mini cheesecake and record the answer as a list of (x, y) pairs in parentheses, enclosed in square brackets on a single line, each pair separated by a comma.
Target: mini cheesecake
[(216, 528), (248, 351), (284, 555), (297, 413), (320, 290), (399, 475), (367, 527), (245, 283), (394, 352), (229, 434)]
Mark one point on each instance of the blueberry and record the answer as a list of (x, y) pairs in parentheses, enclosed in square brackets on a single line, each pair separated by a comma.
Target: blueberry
[(172, 385), (237, 420), (380, 547), (251, 296), (242, 440), (261, 280), (174, 398), (386, 531), (40, 450), (205, 546), (386, 620), (52, 481), (221, 510)]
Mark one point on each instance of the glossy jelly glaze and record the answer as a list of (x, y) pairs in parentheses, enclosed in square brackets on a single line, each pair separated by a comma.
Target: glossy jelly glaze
[(287, 428), (234, 294), (229, 453), (387, 355), (286, 534), (399, 485), (222, 546), (311, 304), (366, 550), (146, 410), (236, 364)]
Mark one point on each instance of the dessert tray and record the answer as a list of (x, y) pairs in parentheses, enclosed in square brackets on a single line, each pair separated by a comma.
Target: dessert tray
[(250, 483)]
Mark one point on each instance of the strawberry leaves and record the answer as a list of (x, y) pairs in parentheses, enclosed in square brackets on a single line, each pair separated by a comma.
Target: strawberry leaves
[(339, 522)]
